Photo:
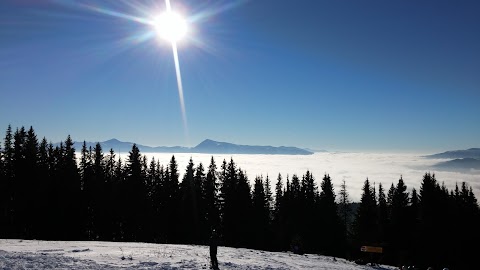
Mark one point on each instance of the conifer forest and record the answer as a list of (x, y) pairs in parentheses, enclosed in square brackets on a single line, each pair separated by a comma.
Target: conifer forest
[(56, 192)]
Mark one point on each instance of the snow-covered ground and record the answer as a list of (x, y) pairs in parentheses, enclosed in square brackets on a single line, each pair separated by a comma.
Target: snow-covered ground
[(33, 254)]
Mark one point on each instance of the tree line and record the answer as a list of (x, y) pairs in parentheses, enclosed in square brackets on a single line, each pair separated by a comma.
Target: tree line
[(46, 192)]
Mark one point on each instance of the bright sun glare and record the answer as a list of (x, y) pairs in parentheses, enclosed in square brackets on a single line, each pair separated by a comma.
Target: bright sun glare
[(171, 26)]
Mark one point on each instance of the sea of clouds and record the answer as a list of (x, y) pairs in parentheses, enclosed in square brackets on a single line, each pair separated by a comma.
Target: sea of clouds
[(354, 168)]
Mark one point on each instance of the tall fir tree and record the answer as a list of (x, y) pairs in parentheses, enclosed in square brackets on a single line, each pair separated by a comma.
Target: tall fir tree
[(268, 194), (20, 183), (279, 218), (33, 185), (236, 205), (278, 196), (158, 200), (383, 216), (332, 235), (69, 176), (3, 197), (7, 189), (431, 217), (152, 175), (243, 207), (294, 214), (110, 166), (344, 209), (189, 207), (229, 180), (202, 231), (172, 202), (87, 179), (413, 226), (400, 223), (101, 194), (365, 224), (310, 220), (43, 190), (210, 191), (260, 215), (135, 195)]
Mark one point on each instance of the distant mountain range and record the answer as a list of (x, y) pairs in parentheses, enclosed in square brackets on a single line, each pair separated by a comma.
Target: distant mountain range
[(459, 160), (206, 147), (469, 153), (459, 165)]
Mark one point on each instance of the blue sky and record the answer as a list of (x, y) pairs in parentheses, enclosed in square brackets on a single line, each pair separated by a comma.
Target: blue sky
[(334, 75)]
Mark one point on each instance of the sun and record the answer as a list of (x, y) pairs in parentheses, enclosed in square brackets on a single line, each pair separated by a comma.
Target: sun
[(171, 26)]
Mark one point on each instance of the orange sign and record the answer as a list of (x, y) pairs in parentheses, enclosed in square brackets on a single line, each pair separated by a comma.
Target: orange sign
[(371, 249)]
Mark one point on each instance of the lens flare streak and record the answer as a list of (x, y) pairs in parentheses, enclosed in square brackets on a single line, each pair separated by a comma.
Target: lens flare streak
[(180, 86), (179, 78)]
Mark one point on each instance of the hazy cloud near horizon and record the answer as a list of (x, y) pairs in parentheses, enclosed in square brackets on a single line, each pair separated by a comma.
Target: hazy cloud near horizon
[(385, 168)]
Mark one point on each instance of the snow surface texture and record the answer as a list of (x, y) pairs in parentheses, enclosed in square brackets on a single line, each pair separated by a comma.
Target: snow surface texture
[(33, 254)]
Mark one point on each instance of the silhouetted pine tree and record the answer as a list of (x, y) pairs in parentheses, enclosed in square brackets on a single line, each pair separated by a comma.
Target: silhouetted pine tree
[(49, 161), (311, 219), (278, 196), (280, 240), (6, 185), (3, 197), (466, 219), (110, 167), (287, 213), (268, 196), (202, 233), (108, 225), (390, 194), (210, 190), (345, 210), (172, 202), (400, 223), (236, 206), (33, 195), (365, 224), (56, 205), (118, 201), (383, 217), (101, 194), (20, 184), (413, 227), (228, 180), (332, 241), (147, 210), (144, 172), (69, 181), (135, 196), (243, 206), (294, 213), (431, 218), (87, 176), (152, 175), (260, 215), (157, 200), (270, 205), (189, 206)]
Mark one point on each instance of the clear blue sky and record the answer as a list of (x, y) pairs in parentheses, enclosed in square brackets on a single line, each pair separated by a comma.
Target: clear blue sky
[(334, 75)]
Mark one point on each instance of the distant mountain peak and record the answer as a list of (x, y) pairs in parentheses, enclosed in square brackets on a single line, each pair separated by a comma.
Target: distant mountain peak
[(113, 141), (209, 142), (455, 154), (463, 161), (207, 146), (216, 147)]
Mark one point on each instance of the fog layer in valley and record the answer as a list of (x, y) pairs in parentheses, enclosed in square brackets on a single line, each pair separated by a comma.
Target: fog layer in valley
[(385, 168)]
